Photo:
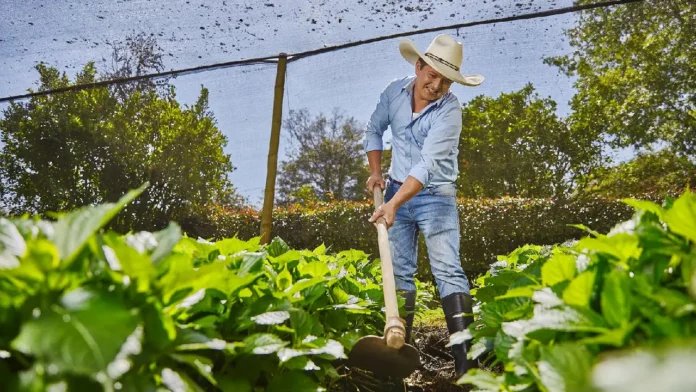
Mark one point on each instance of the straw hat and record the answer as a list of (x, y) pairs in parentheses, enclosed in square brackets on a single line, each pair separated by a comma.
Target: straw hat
[(445, 55)]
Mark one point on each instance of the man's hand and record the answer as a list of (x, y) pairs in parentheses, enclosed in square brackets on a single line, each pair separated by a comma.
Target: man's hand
[(375, 179), (386, 211)]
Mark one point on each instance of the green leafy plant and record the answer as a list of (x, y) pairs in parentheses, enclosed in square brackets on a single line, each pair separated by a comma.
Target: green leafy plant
[(87, 309), (549, 315)]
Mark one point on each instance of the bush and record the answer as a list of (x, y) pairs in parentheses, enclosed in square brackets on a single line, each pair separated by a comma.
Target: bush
[(489, 227)]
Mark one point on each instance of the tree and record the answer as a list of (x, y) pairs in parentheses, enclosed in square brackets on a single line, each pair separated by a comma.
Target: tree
[(648, 174), (515, 145), (137, 55), (67, 150), (636, 79), (325, 161)]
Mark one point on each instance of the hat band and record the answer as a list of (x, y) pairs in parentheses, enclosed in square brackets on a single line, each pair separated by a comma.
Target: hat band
[(432, 56)]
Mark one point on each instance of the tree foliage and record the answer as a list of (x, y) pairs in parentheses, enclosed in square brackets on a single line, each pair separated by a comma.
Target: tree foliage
[(652, 173), (515, 145), (325, 161), (67, 150), (636, 73)]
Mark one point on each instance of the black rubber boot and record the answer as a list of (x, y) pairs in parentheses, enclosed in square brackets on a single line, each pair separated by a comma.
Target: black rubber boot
[(454, 305), (409, 308)]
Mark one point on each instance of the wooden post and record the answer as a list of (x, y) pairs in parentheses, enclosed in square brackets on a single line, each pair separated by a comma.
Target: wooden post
[(269, 192)]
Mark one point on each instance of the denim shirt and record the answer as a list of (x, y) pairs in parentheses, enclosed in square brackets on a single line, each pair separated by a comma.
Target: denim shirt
[(425, 147)]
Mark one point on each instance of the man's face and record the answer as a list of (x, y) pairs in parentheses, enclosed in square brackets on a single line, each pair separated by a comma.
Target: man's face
[(430, 85)]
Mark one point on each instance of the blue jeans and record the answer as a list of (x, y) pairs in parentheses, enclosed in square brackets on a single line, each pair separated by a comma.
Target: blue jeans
[(432, 211)]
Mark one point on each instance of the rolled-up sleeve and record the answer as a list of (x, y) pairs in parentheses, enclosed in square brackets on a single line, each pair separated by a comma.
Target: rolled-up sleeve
[(379, 121), (442, 140)]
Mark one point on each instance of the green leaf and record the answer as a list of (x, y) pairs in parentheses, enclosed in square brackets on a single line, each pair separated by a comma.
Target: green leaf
[(122, 257), (287, 257), (277, 247), (215, 275), (179, 381), (314, 269), (41, 257), (645, 205), (233, 383), (489, 293), (585, 228), (495, 313), (614, 337), (72, 231), (12, 244), (202, 365), (623, 246), (320, 250), (271, 318), (284, 280), (688, 270), (565, 367), (160, 329), (480, 346), (301, 322), (264, 343), (166, 241), (579, 291), (155, 245), (82, 335), (502, 345), (547, 298), (329, 347), (230, 246), (483, 380), (293, 381), (303, 284), (524, 291), (133, 382), (568, 319), (193, 248), (459, 337), (559, 268), (615, 300), (681, 218), (301, 363), (252, 263), (675, 303)]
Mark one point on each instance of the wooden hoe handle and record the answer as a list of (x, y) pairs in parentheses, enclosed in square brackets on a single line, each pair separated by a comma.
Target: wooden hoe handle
[(394, 331)]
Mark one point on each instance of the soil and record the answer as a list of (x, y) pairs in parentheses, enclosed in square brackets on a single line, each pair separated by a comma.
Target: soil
[(436, 372)]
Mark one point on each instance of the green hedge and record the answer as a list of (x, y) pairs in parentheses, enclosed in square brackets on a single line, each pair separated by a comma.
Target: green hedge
[(489, 227)]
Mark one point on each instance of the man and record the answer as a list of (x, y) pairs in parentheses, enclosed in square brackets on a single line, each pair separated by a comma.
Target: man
[(425, 120)]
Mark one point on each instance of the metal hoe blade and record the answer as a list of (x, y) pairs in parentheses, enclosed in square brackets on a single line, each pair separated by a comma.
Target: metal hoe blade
[(372, 353)]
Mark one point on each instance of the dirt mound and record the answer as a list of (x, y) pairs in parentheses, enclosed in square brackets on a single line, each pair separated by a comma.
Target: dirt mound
[(436, 372)]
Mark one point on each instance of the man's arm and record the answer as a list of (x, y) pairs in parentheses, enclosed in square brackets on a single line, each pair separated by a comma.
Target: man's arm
[(375, 160), (379, 121)]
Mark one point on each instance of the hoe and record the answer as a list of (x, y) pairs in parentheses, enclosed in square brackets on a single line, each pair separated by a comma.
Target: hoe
[(389, 355)]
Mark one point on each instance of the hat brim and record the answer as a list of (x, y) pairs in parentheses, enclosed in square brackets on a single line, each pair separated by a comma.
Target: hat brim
[(412, 54)]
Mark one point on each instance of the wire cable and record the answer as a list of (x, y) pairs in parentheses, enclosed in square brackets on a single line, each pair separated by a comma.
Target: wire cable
[(542, 14), (301, 55), (103, 83)]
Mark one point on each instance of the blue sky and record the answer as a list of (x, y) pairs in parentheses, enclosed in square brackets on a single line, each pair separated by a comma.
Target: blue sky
[(67, 34)]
